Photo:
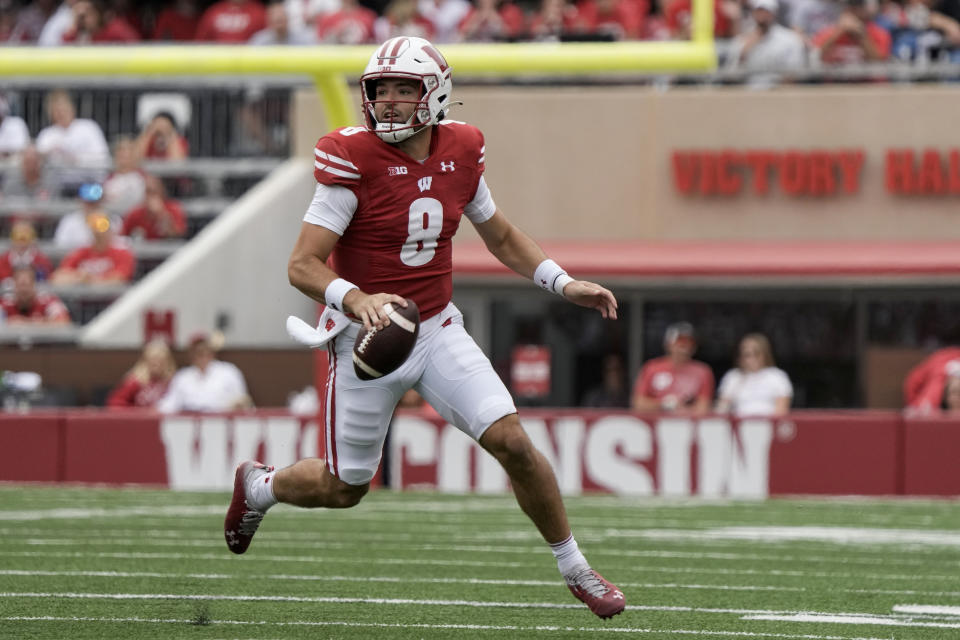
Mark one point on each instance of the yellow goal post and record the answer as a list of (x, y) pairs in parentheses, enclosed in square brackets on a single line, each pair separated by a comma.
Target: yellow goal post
[(329, 66)]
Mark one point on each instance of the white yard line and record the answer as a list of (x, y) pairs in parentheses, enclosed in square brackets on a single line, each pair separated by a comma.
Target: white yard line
[(838, 535), (821, 618), (418, 602), (271, 537), (458, 627), (500, 550), (397, 579), (378, 579), (927, 609), (270, 558), (119, 512)]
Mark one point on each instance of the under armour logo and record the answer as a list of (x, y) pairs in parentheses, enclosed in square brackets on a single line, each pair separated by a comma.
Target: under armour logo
[(424, 183), (447, 166)]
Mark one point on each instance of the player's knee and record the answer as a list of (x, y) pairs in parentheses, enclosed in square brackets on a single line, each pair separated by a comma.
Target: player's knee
[(509, 443)]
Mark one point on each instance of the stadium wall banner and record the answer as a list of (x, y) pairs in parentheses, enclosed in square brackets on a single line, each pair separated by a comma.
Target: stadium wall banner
[(857, 452), (629, 454)]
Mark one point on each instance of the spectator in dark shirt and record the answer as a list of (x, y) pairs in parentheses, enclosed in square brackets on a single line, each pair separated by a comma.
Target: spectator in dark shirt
[(612, 391)]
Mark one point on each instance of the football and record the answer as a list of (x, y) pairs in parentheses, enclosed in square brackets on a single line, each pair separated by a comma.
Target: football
[(380, 351)]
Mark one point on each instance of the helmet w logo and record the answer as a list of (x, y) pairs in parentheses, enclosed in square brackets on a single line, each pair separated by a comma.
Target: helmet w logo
[(392, 49), (439, 59)]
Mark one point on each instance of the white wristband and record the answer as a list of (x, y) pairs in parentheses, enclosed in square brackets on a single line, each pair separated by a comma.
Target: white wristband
[(335, 292), (551, 277)]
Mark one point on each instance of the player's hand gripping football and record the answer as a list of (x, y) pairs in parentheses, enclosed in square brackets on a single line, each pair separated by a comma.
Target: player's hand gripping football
[(369, 308), (592, 296)]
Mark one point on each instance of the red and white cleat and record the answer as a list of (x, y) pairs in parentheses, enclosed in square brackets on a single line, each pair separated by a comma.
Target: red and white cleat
[(603, 598), (242, 520)]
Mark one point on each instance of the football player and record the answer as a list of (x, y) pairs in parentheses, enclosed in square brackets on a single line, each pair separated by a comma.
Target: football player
[(389, 198)]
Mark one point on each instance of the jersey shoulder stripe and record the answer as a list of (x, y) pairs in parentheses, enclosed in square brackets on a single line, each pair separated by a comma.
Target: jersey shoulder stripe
[(335, 161), (336, 165)]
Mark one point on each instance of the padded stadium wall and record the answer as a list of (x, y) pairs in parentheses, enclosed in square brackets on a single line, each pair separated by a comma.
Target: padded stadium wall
[(235, 269)]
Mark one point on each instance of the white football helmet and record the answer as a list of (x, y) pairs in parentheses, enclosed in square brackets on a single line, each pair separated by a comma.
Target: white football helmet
[(414, 59)]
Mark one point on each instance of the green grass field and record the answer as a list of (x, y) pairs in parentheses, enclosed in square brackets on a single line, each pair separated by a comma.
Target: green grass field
[(101, 563)]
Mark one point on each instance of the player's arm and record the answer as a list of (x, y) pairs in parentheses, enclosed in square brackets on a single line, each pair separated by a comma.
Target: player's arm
[(517, 250), (307, 270)]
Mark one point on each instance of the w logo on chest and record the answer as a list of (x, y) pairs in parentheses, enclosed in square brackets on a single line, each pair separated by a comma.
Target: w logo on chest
[(424, 183)]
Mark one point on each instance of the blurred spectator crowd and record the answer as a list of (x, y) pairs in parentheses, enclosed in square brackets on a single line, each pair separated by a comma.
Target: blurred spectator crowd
[(115, 200), (756, 35)]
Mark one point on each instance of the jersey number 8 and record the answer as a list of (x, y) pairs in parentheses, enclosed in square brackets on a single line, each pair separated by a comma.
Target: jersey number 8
[(424, 226)]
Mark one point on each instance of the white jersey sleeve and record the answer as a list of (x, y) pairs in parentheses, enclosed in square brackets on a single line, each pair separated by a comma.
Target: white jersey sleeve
[(482, 207), (332, 207)]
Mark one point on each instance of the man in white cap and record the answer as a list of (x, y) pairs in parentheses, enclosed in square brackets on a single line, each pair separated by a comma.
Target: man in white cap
[(768, 46)]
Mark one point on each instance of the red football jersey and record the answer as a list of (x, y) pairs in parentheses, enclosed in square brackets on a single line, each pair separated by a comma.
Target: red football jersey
[(399, 240)]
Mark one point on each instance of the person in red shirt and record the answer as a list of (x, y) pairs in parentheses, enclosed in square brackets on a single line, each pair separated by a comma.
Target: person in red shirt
[(177, 23), (924, 384), (91, 26), (26, 305), (23, 253), (231, 21), (157, 217), (621, 19), (161, 140), (675, 382), (493, 20), (854, 38), (102, 262), (148, 380), (352, 24), (555, 19)]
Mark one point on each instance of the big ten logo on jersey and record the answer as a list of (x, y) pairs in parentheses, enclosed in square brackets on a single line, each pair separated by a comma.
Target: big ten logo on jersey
[(396, 171)]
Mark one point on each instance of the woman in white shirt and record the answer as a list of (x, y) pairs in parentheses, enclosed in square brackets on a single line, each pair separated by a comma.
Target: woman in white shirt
[(755, 387)]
